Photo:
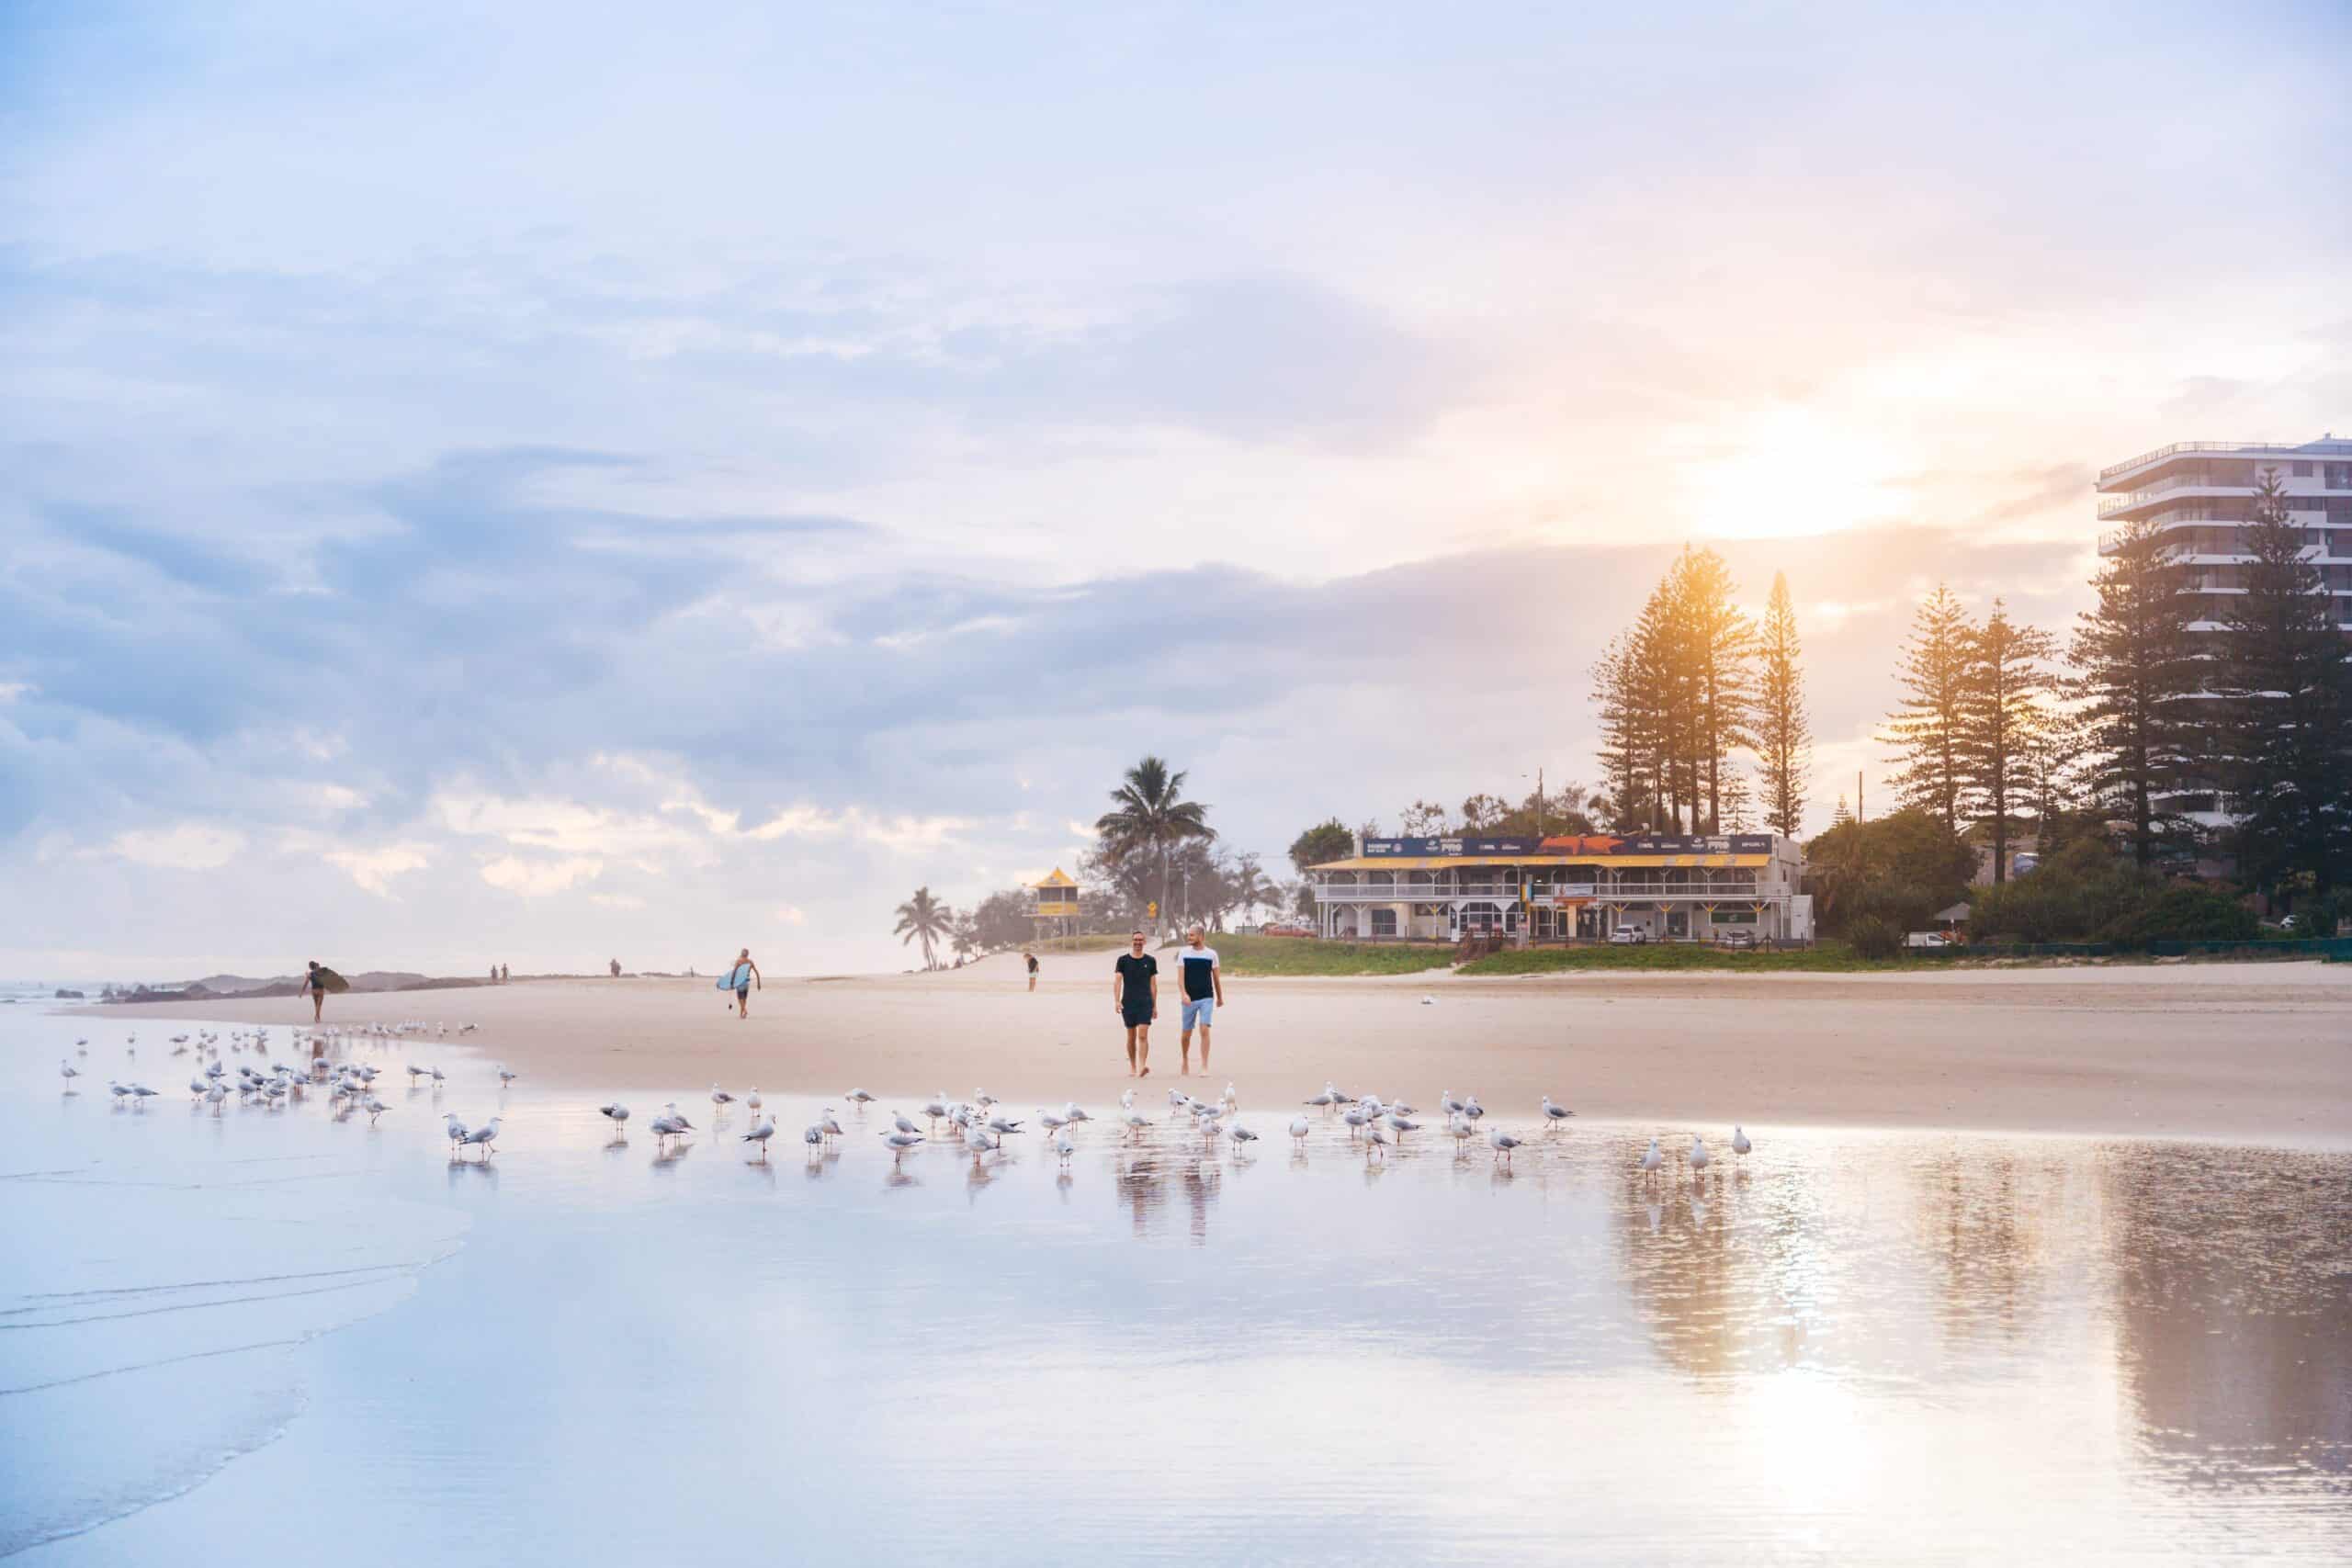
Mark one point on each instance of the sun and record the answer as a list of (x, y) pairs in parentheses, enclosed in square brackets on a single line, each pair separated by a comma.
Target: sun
[(1785, 473)]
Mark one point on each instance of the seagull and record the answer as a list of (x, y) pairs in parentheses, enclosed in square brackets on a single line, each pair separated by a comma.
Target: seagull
[(900, 1143), (455, 1129), (199, 1085), (1739, 1143), (1064, 1145), (1446, 1102), (371, 1105), (814, 1136), (1472, 1108), (831, 1126), (1399, 1126), (979, 1143), (435, 1075), (1697, 1153), (1000, 1126), (505, 1078), (677, 1117), (1074, 1111), (1502, 1143), (719, 1098), (1240, 1134), (1376, 1139), (1652, 1159), (69, 1072), (1325, 1099), (1429, 1001), (935, 1109), (1126, 1100), (414, 1073), (1555, 1114), (1298, 1129), (1050, 1121), (216, 1094), (1137, 1122), (1355, 1118), (617, 1114), (485, 1134), (760, 1133), (751, 1100), (858, 1097), (898, 1120)]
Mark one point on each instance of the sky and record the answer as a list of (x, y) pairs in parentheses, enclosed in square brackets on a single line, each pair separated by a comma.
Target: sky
[(553, 482)]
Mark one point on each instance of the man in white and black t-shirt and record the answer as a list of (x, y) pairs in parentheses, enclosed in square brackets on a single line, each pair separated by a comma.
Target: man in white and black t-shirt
[(1204, 985)]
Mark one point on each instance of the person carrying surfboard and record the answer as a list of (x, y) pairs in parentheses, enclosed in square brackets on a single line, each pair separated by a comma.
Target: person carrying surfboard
[(317, 984), (740, 979)]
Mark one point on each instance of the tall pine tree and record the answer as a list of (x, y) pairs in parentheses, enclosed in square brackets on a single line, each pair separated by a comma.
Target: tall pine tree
[(1784, 737), (2137, 679), (1927, 731), (2006, 685), (2286, 674)]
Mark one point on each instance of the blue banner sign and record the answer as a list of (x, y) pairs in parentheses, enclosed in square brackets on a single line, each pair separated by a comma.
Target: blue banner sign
[(1641, 844)]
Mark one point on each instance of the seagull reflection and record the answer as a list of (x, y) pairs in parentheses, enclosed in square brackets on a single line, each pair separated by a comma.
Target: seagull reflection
[(476, 1171), (900, 1176)]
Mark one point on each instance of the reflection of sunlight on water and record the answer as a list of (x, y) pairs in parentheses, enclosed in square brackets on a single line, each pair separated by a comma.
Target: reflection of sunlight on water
[(1876, 1344)]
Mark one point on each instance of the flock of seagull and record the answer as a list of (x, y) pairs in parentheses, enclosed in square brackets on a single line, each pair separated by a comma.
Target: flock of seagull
[(979, 1125)]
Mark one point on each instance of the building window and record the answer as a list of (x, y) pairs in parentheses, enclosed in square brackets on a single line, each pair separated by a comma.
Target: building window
[(2302, 470), (1383, 922)]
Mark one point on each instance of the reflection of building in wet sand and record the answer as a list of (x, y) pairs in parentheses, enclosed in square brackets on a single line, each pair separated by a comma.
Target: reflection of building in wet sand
[(1146, 1176), (2232, 1272), (1697, 1289)]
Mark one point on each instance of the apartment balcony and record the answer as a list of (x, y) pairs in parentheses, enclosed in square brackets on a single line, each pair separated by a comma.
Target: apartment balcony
[(2292, 450), (2116, 505)]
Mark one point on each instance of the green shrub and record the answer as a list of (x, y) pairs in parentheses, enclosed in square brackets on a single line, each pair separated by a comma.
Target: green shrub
[(1873, 937), (2185, 912)]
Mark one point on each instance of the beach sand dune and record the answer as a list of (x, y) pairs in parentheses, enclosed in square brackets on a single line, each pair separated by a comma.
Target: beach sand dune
[(2243, 1053)]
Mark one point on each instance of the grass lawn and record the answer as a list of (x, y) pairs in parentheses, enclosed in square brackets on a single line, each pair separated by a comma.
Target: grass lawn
[(1823, 957), (1239, 954)]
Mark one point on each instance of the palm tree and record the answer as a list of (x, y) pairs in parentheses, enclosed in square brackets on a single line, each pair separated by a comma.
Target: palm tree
[(1250, 887), (1149, 815), (925, 920)]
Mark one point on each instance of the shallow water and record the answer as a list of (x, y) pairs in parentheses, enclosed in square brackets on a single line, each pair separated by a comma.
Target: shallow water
[(270, 1333)]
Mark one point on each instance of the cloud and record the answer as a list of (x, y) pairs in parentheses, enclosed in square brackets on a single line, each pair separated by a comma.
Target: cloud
[(185, 846), (541, 878), (374, 870)]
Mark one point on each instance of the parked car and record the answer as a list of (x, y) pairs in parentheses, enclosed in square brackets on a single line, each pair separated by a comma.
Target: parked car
[(1929, 938), (1737, 939), (1279, 929), (1628, 936)]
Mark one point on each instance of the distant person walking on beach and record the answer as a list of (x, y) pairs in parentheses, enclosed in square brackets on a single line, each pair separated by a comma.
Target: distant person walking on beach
[(616, 968), (1031, 959), (1203, 994), (1134, 995), (745, 975), (504, 974)]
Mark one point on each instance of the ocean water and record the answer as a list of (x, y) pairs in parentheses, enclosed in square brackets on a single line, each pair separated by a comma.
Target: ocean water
[(270, 1335)]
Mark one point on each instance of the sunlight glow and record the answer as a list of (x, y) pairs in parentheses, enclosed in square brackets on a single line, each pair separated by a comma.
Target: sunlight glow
[(1786, 473)]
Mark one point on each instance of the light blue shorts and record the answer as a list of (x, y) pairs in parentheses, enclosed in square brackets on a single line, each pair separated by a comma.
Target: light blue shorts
[(1198, 1012)]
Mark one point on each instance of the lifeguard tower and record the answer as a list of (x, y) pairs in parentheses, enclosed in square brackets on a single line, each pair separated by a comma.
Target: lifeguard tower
[(1055, 912)]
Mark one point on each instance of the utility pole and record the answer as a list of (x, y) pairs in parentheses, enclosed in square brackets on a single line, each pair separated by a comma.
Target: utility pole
[(1860, 813)]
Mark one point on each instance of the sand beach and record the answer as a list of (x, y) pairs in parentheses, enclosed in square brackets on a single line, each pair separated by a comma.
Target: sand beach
[(2244, 1053)]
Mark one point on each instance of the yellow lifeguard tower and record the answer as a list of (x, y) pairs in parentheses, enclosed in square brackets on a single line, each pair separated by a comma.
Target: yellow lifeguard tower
[(1056, 910)]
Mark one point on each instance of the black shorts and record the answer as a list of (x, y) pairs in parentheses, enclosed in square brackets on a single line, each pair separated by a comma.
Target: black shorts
[(1136, 1017)]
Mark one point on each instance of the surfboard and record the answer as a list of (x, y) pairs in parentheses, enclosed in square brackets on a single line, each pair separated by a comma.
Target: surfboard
[(734, 978), (332, 981)]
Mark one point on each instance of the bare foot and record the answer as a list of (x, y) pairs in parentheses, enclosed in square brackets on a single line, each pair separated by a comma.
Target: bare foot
[(1145, 1074)]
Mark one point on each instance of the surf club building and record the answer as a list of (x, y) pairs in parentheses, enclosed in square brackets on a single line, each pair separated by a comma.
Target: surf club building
[(1669, 888)]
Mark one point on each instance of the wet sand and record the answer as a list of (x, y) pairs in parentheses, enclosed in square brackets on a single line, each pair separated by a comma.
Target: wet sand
[(2258, 1053)]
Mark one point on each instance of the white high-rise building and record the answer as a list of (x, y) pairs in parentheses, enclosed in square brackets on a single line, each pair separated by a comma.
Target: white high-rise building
[(2201, 494)]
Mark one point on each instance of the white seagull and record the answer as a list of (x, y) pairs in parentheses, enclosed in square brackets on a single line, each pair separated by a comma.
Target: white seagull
[(1739, 1143), (1555, 1114), (1502, 1143), (617, 1114), (1697, 1153), (858, 1097), (760, 1133), (485, 1135), (900, 1143), (1652, 1159)]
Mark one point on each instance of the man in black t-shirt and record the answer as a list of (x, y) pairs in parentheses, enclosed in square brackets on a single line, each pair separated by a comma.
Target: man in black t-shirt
[(1134, 996)]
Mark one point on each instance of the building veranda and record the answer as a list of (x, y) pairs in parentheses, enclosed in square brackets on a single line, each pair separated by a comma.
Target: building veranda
[(1666, 887)]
